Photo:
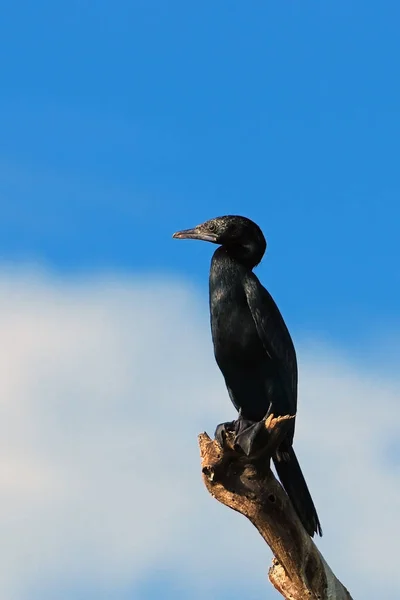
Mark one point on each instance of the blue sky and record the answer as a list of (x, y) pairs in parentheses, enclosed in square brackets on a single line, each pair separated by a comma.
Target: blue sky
[(123, 122)]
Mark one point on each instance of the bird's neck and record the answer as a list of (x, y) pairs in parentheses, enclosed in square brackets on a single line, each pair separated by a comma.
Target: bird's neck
[(224, 267)]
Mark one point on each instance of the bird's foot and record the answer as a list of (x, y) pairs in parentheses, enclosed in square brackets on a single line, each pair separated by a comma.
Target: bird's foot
[(223, 431), (246, 435), (250, 435), (248, 438)]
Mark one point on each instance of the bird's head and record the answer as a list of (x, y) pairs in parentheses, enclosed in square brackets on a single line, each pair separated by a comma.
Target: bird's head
[(241, 237)]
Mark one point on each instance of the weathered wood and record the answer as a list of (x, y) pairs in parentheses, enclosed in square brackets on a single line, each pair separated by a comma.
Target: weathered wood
[(247, 485)]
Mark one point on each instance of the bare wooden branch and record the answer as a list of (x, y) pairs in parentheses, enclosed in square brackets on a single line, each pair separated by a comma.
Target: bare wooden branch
[(247, 485)]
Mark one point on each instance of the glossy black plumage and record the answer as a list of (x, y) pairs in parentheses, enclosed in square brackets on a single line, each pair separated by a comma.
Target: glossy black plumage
[(252, 345)]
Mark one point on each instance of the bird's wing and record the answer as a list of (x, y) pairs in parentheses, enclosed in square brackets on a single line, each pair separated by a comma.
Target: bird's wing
[(274, 335)]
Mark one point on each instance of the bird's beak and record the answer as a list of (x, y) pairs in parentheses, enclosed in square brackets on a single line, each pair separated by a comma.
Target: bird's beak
[(195, 234)]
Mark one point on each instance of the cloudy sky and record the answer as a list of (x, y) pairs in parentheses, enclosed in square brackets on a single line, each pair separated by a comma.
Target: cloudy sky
[(121, 123)]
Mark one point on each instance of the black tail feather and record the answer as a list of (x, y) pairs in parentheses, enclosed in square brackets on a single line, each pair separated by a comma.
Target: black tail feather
[(291, 477)]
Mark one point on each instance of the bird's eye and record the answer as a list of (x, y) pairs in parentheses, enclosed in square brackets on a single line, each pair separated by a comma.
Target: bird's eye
[(212, 226)]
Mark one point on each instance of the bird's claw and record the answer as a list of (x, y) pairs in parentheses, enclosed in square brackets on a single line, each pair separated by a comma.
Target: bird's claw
[(222, 431), (247, 438)]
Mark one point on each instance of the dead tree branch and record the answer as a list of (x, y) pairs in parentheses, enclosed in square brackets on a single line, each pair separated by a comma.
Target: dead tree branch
[(247, 485)]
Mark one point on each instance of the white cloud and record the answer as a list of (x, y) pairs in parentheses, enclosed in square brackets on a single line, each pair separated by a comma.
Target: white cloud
[(104, 386)]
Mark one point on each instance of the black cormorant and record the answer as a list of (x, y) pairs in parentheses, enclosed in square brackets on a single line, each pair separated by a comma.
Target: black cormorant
[(252, 345)]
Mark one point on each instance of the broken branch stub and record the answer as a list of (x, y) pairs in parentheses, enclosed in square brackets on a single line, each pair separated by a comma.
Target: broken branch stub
[(247, 485)]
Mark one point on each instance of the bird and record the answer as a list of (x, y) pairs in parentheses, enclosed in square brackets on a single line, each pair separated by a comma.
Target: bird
[(253, 347)]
